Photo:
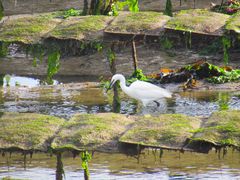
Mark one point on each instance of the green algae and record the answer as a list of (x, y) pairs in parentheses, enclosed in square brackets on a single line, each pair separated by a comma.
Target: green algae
[(233, 24), (10, 178), (165, 131), (27, 131), (27, 29), (221, 129), (140, 23), (79, 28), (4, 49), (198, 21), (91, 132)]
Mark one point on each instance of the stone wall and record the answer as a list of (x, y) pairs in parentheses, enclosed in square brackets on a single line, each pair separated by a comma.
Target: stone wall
[(36, 6)]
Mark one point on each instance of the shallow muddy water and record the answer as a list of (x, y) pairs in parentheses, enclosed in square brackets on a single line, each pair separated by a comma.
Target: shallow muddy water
[(173, 165), (64, 100)]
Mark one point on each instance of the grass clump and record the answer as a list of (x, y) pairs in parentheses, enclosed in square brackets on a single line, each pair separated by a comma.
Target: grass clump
[(27, 29), (221, 129), (139, 22), (92, 131), (198, 21), (168, 130), (79, 28), (27, 131)]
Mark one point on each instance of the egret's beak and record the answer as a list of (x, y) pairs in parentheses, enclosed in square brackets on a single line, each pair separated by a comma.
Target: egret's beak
[(110, 86)]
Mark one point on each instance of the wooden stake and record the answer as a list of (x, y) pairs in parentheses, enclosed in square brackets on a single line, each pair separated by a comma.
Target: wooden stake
[(134, 56)]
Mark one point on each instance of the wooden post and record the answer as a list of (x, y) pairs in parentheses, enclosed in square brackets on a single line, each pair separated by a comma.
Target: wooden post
[(59, 167), (116, 101), (85, 8), (86, 174), (25, 160), (221, 5), (134, 56)]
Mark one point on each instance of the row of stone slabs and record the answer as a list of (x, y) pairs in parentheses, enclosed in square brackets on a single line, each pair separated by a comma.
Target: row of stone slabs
[(30, 29), (105, 132)]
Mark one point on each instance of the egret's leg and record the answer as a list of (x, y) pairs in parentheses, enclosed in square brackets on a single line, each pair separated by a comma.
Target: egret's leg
[(139, 107), (158, 104)]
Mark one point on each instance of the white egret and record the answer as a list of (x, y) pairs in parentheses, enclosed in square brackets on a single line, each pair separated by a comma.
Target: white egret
[(140, 90)]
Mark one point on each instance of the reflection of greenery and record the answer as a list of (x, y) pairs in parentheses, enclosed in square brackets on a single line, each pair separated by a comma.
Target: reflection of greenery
[(226, 41), (37, 51), (223, 100), (7, 78), (4, 49), (10, 178), (166, 43), (213, 48)]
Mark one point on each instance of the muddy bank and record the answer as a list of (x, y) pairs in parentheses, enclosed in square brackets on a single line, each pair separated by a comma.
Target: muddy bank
[(85, 47), (28, 6), (150, 60)]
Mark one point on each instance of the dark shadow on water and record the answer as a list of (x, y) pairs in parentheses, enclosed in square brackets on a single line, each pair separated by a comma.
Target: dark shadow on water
[(1, 80)]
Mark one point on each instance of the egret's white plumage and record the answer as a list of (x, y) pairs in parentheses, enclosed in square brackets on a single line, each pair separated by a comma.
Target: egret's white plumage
[(140, 90)]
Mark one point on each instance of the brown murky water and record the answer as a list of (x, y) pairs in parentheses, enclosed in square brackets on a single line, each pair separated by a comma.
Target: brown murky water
[(173, 165), (64, 100)]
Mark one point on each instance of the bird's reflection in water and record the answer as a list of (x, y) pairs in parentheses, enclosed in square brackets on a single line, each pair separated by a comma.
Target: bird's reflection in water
[(154, 108)]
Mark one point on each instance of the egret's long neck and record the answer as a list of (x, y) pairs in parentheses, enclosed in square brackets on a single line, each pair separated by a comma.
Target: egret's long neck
[(124, 87)]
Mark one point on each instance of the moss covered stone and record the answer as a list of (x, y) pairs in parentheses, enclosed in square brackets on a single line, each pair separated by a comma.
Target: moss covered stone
[(221, 129), (233, 23), (27, 131), (138, 23), (83, 27), (198, 21), (91, 132), (166, 131), (27, 29)]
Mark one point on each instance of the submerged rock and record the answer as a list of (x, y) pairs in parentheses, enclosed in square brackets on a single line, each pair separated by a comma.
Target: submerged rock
[(221, 129), (92, 132), (198, 21), (27, 131), (168, 131), (27, 29), (81, 27), (148, 23)]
